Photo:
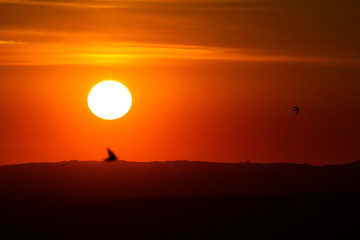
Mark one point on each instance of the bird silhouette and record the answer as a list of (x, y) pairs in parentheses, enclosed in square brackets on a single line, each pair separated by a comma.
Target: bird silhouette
[(296, 109), (111, 157)]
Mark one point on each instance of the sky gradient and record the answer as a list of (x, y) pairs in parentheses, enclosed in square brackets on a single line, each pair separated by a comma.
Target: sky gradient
[(210, 80)]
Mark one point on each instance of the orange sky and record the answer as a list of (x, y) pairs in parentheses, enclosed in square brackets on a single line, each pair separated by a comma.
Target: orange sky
[(210, 80)]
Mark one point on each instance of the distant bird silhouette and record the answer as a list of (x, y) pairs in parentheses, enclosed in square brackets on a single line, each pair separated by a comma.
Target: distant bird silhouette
[(111, 157), (296, 109)]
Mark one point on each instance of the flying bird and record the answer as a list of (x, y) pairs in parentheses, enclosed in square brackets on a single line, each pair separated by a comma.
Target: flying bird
[(296, 109), (111, 157)]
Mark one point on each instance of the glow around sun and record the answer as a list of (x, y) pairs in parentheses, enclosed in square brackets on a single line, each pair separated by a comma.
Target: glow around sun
[(109, 100)]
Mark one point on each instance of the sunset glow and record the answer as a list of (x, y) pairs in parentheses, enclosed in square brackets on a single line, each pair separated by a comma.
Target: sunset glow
[(179, 119), (212, 80)]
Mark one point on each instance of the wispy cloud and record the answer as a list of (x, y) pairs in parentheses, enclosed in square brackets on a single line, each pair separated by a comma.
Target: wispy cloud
[(97, 3), (259, 4), (11, 42), (63, 3), (72, 32), (115, 53)]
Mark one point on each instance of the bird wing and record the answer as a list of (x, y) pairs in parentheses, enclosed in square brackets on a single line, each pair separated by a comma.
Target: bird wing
[(111, 155)]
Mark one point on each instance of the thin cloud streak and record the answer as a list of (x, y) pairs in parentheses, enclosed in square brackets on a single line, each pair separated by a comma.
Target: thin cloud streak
[(86, 4), (218, 4), (109, 3), (239, 30), (114, 53), (10, 42)]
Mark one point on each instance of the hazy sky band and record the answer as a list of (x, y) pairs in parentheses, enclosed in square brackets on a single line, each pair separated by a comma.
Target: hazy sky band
[(267, 30)]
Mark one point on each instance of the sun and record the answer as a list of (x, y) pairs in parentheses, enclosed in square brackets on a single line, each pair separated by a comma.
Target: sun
[(109, 100)]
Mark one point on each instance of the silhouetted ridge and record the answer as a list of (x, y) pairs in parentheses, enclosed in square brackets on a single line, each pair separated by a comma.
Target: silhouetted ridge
[(174, 178), (298, 216)]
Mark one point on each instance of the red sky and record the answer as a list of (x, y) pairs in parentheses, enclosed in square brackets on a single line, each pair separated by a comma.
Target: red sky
[(210, 80)]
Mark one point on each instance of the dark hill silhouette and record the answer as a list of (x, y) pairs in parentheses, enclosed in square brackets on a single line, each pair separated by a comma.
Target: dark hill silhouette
[(300, 216), (121, 179), (179, 200)]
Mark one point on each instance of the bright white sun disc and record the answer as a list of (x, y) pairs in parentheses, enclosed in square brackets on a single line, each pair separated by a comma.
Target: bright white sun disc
[(109, 100)]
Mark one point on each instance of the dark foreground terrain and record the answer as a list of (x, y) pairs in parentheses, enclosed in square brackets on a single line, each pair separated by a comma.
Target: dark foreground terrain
[(179, 200), (300, 216)]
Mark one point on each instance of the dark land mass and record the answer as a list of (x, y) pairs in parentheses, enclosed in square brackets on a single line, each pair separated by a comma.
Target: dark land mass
[(76, 180), (179, 200)]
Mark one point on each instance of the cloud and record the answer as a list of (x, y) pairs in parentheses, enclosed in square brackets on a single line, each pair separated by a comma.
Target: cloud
[(195, 4), (115, 53), (10, 42), (62, 3), (240, 30)]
